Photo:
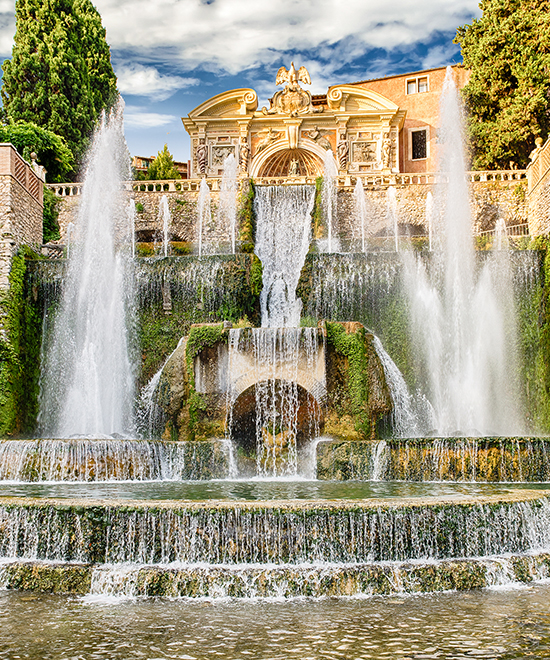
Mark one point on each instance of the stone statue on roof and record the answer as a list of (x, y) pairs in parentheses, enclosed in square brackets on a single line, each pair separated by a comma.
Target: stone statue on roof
[(292, 100)]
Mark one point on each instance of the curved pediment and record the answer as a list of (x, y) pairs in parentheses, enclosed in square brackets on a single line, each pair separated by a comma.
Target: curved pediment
[(233, 103), (350, 98)]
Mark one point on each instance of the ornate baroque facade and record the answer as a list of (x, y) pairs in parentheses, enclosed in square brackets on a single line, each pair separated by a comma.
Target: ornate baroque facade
[(292, 136)]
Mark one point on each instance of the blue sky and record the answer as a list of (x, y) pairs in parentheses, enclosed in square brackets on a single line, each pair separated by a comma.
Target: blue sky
[(170, 55)]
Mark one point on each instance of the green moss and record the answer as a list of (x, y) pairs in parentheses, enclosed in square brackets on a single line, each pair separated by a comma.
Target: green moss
[(233, 297), (50, 226), (200, 337), (353, 397), (247, 219), (20, 338), (319, 229)]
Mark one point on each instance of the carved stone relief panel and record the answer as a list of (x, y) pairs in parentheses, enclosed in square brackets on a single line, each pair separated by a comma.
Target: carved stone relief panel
[(219, 153), (363, 152)]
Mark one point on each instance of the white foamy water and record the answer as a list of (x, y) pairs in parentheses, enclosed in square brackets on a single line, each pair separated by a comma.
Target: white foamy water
[(87, 382), (282, 242), (462, 317)]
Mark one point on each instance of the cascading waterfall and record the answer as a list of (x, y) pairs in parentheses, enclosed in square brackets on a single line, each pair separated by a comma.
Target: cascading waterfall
[(87, 382), (278, 353), (82, 461), (329, 200), (232, 534), (164, 217), (463, 321), (282, 241), (227, 210), (404, 418)]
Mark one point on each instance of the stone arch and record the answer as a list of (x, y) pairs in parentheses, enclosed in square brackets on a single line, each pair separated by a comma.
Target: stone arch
[(242, 420), (308, 152)]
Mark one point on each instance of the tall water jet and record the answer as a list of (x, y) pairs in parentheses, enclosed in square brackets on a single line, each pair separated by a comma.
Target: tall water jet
[(329, 199), (282, 242), (132, 225), (204, 212), (227, 211), (392, 217), (361, 210), (461, 315), (164, 217), (501, 235), (430, 218), (70, 237), (87, 383)]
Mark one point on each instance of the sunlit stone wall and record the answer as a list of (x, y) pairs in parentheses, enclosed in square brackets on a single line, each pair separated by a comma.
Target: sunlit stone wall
[(21, 190), (539, 190), (490, 200)]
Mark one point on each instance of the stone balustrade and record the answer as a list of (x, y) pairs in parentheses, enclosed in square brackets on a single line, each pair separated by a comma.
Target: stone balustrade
[(347, 181)]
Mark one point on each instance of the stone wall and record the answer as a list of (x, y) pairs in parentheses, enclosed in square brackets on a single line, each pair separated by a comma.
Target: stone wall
[(490, 200), (21, 204), (539, 190)]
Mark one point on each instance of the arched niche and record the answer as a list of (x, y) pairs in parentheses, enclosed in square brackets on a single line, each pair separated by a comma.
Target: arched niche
[(242, 420)]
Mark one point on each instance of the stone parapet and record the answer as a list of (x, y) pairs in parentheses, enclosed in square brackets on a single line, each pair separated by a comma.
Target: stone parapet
[(21, 207), (538, 174), (493, 194)]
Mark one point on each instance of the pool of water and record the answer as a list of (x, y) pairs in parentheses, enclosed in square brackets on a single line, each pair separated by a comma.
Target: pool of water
[(275, 489), (506, 624)]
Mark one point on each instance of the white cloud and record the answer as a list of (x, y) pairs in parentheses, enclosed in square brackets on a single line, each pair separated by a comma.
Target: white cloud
[(232, 35), (135, 117), (142, 80), (7, 27), (438, 56)]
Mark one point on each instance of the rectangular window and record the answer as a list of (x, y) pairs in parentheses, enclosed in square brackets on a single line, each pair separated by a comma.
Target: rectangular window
[(419, 144), (417, 85)]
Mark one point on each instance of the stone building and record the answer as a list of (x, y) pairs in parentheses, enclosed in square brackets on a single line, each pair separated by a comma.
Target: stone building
[(384, 126), (418, 95)]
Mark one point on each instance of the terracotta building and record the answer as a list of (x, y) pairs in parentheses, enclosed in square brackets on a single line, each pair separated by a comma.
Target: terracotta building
[(418, 94)]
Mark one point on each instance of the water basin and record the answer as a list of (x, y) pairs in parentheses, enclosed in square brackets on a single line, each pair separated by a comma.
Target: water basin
[(261, 490)]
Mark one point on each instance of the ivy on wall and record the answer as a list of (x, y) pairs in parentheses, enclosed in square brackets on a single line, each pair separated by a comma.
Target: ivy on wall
[(20, 339)]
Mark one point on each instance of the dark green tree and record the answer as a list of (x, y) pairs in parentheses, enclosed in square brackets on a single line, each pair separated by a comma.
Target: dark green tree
[(51, 149), (508, 96), (60, 75), (163, 166)]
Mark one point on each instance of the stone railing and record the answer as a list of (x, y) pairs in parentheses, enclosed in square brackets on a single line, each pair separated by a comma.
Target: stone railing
[(512, 231), (347, 181), (12, 164), (538, 197), (538, 169)]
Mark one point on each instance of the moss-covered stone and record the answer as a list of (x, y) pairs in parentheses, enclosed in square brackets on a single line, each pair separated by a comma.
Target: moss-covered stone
[(436, 459), (356, 388)]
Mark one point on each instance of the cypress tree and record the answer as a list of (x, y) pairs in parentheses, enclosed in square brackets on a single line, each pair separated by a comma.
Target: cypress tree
[(508, 96), (60, 74)]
